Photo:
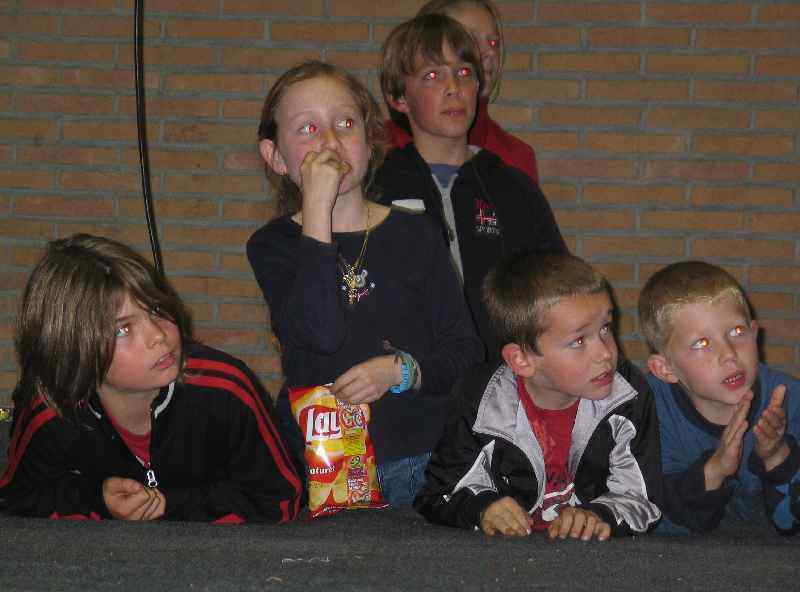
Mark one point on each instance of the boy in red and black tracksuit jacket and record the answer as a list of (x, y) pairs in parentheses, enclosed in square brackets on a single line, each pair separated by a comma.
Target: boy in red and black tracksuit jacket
[(214, 452)]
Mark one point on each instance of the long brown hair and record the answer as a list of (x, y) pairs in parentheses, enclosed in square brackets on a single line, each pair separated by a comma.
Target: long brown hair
[(65, 334), (289, 196)]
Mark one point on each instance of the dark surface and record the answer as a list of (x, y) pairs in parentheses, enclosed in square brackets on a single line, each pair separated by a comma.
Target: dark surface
[(378, 550)]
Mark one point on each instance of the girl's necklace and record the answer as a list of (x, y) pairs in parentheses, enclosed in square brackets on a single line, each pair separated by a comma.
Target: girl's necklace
[(352, 275)]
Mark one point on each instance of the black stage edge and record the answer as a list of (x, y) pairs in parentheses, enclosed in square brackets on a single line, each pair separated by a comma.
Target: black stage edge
[(368, 550)]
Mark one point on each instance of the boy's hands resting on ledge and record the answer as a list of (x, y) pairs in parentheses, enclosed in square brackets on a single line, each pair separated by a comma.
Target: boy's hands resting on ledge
[(770, 445), (127, 499), (578, 523), (506, 516)]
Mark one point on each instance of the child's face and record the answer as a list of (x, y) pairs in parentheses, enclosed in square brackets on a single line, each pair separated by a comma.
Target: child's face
[(315, 114), (147, 353), (578, 354), (440, 100), (481, 24), (713, 353)]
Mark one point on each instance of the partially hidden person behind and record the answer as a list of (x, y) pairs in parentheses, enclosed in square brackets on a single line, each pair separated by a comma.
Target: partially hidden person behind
[(482, 19), (360, 295), (554, 438), (119, 414), (431, 76), (729, 425)]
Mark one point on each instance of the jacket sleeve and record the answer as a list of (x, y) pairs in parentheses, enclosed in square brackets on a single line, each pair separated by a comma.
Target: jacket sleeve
[(631, 503), (258, 482), (781, 485), (43, 478), (298, 277), (459, 484), (456, 345)]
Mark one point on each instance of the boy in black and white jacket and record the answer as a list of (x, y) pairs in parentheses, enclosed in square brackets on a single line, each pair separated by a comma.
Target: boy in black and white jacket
[(555, 438)]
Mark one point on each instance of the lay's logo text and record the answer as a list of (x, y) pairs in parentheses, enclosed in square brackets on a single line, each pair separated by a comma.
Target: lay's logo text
[(322, 424)]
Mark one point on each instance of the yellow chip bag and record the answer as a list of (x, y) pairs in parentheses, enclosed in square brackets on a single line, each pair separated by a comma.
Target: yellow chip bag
[(340, 461)]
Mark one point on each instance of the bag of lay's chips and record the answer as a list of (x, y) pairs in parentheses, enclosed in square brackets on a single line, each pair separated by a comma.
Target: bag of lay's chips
[(340, 461)]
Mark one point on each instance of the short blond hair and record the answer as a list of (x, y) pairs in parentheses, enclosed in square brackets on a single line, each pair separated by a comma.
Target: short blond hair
[(675, 286), (520, 290)]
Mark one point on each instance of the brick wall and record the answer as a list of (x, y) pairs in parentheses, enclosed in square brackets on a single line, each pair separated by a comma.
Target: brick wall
[(664, 130)]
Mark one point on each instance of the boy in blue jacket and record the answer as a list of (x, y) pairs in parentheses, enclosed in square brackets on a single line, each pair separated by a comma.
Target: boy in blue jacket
[(728, 424)]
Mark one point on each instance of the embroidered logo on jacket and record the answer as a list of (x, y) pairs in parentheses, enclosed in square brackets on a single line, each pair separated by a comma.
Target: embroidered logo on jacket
[(485, 218)]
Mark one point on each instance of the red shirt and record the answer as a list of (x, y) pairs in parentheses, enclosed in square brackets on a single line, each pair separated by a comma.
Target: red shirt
[(553, 430), (138, 444)]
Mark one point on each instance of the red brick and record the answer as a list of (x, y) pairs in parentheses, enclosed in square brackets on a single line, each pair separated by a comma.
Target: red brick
[(24, 256), (692, 220), (354, 60), (211, 287), (782, 14), (781, 119), (118, 131), (744, 145), (580, 168), (61, 154), (29, 76), (320, 32), (88, 78), (214, 184), (778, 354), (207, 235), (134, 235), (64, 104), (244, 109), (681, 12), (29, 24), (754, 39), (164, 107), (771, 301), (12, 280), (200, 311), (252, 29), (35, 129), (238, 312), (249, 160), (742, 196), (615, 272), (275, 7), (248, 83), (551, 141), (542, 36), (248, 210), (238, 262), (375, 8), (590, 219), (260, 58), (52, 205), (752, 248), (646, 270), (171, 207), (558, 193), (697, 170), (100, 181), (509, 115), (775, 275), (636, 143), (210, 133), (183, 6), (588, 12), (589, 116), (745, 92), (191, 261), (639, 90), (638, 37), (65, 52), (540, 89), (169, 55), (26, 179), (605, 63), (173, 159), (5, 49), (783, 329), (778, 66), (99, 26), (783, 222), (697, 117), (688, 65), (92, 5), (227, 338), (777, 172), (18, 228), (633, 246), (634, 194)]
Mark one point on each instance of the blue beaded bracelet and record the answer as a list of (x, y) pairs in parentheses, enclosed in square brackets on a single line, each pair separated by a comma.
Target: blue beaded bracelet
[(407, 368)]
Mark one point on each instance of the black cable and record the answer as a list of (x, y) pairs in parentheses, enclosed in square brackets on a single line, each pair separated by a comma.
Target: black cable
[(144, 165)]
